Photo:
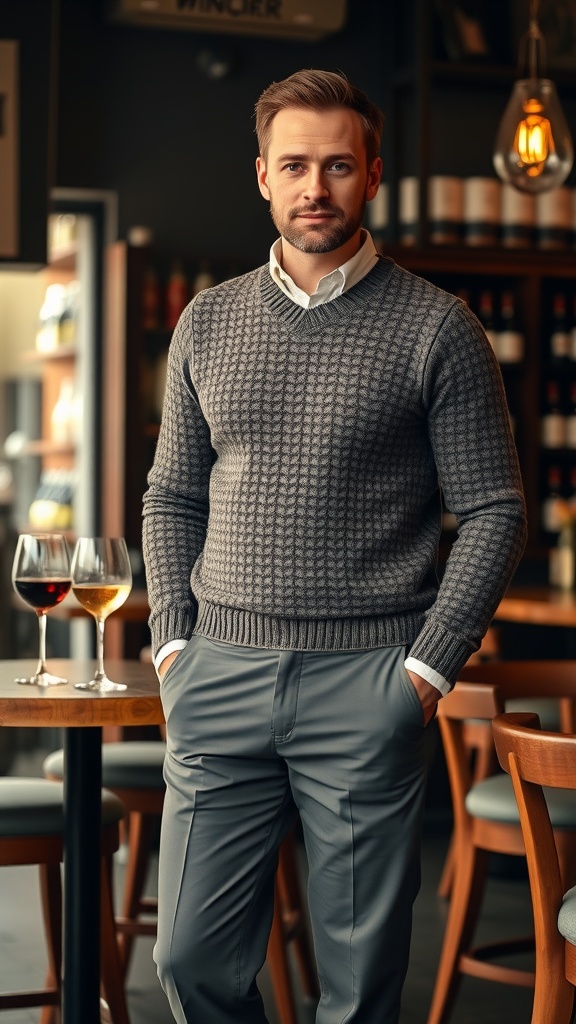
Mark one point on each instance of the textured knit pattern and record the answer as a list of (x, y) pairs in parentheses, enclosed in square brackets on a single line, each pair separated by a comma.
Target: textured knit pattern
[(294, 499)]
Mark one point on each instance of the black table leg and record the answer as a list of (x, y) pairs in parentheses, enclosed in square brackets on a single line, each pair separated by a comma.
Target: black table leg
[(82, 801)]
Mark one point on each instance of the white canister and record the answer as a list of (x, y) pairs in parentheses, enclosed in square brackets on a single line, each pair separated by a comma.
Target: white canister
[(481, 211), (554, 218), (408, 193), (517, 217), (445, 209)]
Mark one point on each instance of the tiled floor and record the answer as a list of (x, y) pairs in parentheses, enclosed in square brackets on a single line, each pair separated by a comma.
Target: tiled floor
[(506, 910)]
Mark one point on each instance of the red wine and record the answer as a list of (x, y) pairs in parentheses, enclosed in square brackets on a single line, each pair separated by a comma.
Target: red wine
[(42, 594)]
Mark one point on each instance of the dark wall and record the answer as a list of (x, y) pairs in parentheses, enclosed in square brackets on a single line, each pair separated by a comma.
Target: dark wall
[(138, 115)]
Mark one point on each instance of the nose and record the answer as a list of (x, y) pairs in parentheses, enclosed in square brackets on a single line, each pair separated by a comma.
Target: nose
[(316, 186)]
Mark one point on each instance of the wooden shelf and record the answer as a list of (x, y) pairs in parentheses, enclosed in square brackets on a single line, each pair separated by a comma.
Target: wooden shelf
[(62, 352), (45, 447), (497, 261)]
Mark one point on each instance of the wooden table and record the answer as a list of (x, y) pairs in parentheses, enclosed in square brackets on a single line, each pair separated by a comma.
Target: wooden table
[(542, 606), (82, 715)]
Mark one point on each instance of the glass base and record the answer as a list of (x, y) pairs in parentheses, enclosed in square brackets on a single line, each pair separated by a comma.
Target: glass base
[(104, 685), (42, 679)]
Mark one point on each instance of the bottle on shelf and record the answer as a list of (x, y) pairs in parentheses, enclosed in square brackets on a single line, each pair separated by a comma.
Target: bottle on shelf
[(510, 343), (486, 318), (571, 418), (151, 301), (68, 322), (48, 330), (62, 425), (203, 279), (176, 295), (553, 419), (573, 324), (559, 334), (552, 501)]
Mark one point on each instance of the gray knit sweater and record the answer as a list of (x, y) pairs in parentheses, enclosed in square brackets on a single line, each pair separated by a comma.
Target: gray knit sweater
[(294, 500)]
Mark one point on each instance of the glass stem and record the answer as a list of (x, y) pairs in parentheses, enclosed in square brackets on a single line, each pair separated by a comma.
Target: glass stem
[(42, 646), (100, 673)]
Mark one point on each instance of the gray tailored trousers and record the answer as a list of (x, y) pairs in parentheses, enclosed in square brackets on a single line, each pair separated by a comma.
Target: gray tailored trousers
[(255, 737)]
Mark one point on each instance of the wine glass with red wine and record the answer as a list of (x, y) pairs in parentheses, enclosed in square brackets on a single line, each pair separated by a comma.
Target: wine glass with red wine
[(42, 577)]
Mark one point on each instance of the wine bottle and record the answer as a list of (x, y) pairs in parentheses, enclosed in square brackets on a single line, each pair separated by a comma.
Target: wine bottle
[(551, 518), (510, 344), (559, 334), (571, 418), (553, 420), (176, 295), (486, 317)]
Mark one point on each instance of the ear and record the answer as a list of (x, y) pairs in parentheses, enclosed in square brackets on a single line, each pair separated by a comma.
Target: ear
[(374, 176), (262, 176)]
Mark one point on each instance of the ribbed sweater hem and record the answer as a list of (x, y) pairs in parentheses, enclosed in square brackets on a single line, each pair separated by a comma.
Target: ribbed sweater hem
[(255, 629)]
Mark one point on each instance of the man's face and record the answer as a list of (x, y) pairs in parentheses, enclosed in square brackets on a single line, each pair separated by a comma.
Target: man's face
[(316, 178)]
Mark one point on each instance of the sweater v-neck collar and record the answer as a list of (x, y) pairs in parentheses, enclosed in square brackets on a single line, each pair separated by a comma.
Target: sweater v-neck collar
[(351, 303)]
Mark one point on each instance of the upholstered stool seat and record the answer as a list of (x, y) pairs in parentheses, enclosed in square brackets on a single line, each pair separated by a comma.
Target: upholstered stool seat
[(31, 833), (129, 765), (567, 916), (35, 807), (493, 800)]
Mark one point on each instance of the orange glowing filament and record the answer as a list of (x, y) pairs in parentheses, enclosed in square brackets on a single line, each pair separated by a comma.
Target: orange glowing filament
[(533, 140)]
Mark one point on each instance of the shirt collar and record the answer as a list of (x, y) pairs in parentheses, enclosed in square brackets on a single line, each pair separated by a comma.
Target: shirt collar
[(331, 285)]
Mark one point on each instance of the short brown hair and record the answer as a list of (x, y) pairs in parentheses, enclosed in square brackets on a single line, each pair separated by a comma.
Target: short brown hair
[(319, 90)]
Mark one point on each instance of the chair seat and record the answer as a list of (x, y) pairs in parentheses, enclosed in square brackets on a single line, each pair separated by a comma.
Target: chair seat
[(567, 916), (129, 765), (493, 800), (35, 807)]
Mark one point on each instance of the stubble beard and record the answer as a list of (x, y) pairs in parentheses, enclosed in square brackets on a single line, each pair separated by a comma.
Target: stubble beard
[(318, 238)]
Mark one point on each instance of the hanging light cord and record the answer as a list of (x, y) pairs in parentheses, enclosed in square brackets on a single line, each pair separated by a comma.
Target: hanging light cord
[(533, 46)]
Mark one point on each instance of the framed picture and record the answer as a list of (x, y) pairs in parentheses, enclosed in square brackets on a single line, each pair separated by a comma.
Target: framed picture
[(474, 30)]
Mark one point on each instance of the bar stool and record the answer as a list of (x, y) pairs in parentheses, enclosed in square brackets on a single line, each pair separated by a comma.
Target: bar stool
[(31, 832), (133, 770)]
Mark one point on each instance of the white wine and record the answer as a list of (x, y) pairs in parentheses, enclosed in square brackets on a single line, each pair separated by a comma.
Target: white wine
[(101, 600)]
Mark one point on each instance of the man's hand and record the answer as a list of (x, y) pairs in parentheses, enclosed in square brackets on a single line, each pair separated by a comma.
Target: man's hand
[(165, 664), (429, 695)]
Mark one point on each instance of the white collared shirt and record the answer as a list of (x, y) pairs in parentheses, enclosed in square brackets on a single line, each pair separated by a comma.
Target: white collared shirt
[(329, 287)]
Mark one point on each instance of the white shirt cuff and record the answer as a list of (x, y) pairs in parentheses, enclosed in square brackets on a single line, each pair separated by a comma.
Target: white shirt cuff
[(172, 645), (429, 674)]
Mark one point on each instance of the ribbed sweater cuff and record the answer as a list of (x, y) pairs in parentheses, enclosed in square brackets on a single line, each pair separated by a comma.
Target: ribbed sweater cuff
[(172, 624), (442, 650)]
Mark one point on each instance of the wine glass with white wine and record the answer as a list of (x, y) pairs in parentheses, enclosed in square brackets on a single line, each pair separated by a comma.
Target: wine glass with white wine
[(101, 582), (41, 576)]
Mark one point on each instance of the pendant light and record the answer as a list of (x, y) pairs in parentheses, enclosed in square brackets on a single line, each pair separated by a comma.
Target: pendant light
[(533, 146)]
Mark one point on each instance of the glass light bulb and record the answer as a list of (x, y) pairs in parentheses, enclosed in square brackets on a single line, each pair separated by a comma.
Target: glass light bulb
[(533, 148)]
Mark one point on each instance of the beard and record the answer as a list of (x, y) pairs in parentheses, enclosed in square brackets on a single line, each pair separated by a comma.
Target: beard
[(318, 238)]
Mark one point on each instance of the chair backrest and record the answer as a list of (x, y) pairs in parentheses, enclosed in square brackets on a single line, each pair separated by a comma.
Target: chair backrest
[(534, 759), (481, 693), (467, 701), (526, 678)]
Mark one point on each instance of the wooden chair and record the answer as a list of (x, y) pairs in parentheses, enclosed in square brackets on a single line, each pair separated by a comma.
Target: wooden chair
[(132, 770), (535, 759), (481, 751), (486, 818), (31, 832)]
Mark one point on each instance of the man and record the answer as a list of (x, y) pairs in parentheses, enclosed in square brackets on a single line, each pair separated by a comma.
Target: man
[(313, 408)]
